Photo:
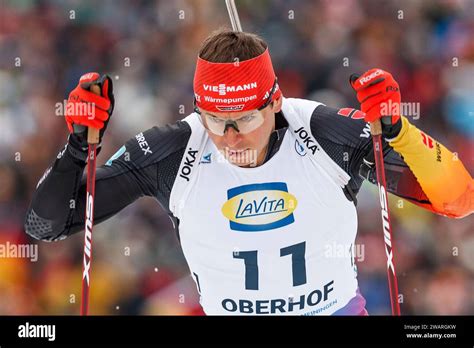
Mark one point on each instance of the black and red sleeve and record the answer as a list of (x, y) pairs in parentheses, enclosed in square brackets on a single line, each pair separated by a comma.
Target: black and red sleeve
[(146, 165)]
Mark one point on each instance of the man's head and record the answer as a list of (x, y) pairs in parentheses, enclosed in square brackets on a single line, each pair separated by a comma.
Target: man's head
[(237, 95)]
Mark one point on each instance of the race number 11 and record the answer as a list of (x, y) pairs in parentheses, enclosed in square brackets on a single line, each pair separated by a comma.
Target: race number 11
[(298, 262)]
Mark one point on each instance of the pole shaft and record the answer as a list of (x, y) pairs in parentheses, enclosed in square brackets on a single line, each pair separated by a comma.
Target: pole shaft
[(376, 132), (234, 15)]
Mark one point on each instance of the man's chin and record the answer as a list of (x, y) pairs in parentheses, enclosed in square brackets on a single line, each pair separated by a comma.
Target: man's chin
[(242, 165), (240, 162)]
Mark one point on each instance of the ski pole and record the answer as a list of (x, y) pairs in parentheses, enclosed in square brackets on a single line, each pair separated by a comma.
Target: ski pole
[(92, 140), (376, 133)]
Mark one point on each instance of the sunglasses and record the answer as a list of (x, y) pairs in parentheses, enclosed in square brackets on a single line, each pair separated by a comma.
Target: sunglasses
[(243, 125)]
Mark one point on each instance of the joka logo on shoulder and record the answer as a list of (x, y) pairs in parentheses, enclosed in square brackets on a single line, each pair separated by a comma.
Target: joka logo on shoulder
[(259, 207)]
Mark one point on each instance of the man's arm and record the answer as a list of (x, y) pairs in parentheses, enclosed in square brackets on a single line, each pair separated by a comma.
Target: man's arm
[(145, 166), (440, 173), (346, 139)]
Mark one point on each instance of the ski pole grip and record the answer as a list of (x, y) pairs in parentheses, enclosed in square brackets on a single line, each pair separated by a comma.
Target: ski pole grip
[(93, 133), (376, 127)]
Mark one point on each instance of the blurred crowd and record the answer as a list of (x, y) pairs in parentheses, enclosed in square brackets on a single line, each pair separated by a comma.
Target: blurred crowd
[(149, 49)]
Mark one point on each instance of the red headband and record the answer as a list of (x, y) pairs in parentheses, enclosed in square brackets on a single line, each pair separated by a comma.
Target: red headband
[(237, 86)]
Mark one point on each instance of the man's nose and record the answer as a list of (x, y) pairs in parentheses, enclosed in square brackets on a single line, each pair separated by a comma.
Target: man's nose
[(232, 137)]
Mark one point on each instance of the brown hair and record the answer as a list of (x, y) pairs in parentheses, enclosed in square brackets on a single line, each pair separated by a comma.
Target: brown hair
[(224, 45)]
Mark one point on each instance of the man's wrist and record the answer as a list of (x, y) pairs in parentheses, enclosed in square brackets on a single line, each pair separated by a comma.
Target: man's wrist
[(78, 147), (392, 131)]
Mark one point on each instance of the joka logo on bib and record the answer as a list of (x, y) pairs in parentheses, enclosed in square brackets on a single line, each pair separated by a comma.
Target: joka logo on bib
[(259, 207)]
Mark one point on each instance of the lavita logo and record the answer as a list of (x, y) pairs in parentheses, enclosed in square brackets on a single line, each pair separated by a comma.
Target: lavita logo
[(188, 164), (259, 207), (28, 330)]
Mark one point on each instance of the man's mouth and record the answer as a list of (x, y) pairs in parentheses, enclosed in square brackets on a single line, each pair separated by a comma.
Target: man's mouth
[(240, 157), (231, 152)]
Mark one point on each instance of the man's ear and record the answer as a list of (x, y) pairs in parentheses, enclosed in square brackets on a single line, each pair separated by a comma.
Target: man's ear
[(276, 104)]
